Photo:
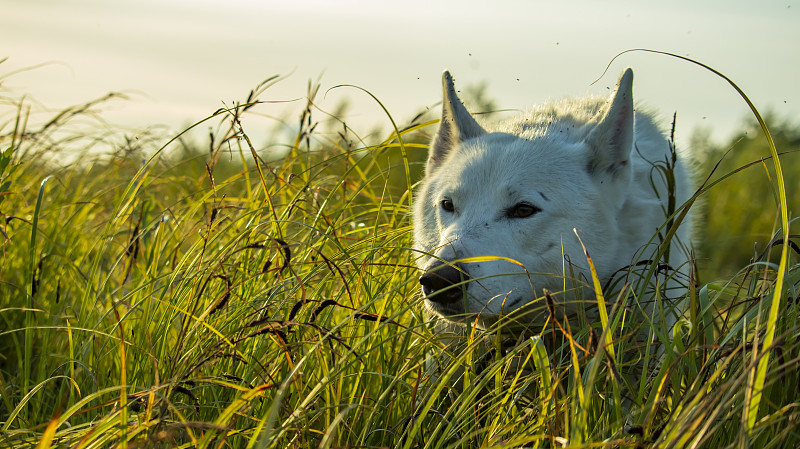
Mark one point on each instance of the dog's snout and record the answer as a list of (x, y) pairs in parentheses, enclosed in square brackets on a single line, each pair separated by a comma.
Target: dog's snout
[(439, 283)]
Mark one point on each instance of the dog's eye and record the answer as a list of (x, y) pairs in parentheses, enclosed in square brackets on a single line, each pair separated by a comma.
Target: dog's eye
[(447, 205), (522, 210)]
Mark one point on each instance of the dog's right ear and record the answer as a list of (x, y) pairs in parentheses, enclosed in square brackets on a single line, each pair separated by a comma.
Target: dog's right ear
[(456, 126)]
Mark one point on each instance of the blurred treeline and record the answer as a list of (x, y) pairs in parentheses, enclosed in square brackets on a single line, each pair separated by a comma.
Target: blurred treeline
[(735, 218), (739, 215)]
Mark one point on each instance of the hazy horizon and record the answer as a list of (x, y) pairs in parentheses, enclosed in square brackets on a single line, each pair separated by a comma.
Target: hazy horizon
[(182, 60)]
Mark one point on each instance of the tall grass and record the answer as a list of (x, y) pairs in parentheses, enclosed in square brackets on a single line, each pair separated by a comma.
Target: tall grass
[(223, 299)]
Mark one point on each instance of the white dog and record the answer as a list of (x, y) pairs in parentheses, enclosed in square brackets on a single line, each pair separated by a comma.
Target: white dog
[(502, 210)]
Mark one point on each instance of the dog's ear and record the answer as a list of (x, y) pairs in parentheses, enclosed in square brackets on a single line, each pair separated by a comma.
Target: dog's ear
[(456, 126), (611, 141)]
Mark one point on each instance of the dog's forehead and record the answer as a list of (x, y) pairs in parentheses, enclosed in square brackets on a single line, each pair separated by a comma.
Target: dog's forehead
[(507, 162)]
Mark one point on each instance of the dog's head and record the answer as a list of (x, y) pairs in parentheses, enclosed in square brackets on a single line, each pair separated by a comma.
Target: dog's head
[(497, 214)]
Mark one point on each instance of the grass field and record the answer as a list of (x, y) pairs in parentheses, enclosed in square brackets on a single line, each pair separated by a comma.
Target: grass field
[(198, 295)]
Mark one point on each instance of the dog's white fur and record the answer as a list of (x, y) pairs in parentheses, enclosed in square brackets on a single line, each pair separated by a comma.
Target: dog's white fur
[(522, 189)]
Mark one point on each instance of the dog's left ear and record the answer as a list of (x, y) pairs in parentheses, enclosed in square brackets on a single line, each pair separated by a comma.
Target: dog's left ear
[(611, 141), (456, 126)]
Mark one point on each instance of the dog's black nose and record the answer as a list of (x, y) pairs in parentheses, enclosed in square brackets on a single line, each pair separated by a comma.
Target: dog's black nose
[(439, 280)]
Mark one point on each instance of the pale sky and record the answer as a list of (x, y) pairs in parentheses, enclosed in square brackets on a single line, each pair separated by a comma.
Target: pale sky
[(180, 59)]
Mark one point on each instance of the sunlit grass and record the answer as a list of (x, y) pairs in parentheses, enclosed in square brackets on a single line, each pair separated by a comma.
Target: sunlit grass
[(221, 299)]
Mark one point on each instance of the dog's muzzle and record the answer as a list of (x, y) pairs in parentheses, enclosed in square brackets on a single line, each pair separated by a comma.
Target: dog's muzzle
[(440, 282)]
